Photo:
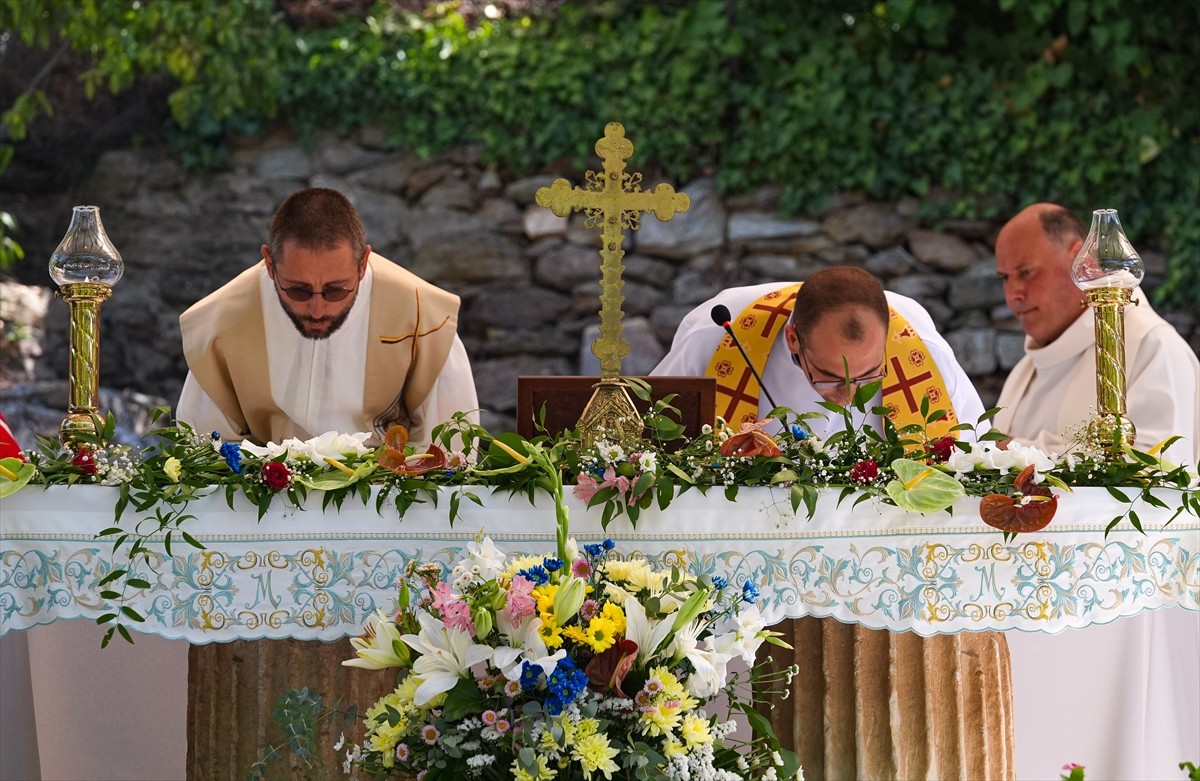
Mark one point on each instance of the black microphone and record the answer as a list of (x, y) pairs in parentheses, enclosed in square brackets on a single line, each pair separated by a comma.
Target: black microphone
[(721, 316)]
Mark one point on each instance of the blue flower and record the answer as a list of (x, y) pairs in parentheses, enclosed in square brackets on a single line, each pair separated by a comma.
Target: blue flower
[(719, 582), (537, 573), (216, 436), (233, 456), (552, 564), (749, 591), (565, 684), (798, 431), (530, 675), (594, 549), (609, 545)]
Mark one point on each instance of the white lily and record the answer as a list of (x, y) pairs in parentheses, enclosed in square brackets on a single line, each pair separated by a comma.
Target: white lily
[(708, 664), (376, 650), (331, 444), (526, 646), (744, 639), (485, 555), (446, 656), (647, 634)]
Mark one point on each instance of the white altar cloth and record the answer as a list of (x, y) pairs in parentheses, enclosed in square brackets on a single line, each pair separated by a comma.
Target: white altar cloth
[(314, 575)]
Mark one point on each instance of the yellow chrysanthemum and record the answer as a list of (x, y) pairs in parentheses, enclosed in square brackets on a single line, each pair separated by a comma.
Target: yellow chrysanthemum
[(660, 719), (595, 755), (695, 730), (575, 634), (636, 572), (542, 771), (673, 748)]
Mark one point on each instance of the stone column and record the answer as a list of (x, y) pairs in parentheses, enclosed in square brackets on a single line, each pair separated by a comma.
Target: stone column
[(874, 704), (232, 688)]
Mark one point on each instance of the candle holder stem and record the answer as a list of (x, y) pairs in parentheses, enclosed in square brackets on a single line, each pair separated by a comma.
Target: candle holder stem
[(1110, 430), (84, 300)]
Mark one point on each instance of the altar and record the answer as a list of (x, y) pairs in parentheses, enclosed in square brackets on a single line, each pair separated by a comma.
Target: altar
[(307, 574)]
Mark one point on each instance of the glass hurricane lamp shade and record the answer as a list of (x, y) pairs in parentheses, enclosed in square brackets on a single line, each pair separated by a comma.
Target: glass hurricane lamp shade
[(1107, 259), (85, 265), (1107, 268), (86, 255)]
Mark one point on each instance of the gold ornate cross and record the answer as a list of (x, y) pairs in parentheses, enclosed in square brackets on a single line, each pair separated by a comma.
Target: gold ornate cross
[(614, 202)]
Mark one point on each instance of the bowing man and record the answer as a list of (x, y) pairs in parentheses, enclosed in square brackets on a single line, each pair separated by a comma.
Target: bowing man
[(323, 335), (806, 339)]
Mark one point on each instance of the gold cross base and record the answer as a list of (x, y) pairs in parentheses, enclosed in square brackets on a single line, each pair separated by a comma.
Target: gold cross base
[(609, 415)]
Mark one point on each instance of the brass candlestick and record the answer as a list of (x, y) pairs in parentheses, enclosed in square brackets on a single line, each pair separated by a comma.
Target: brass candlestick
[(1107, 269), (612, 201), (85, 266)]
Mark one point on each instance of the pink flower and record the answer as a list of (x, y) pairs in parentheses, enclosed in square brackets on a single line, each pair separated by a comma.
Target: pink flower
[(455, 611), (520, 604), (585, 488), (581, 569), (430, 734)]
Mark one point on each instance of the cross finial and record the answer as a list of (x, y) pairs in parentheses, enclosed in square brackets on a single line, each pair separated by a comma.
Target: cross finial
[(613, 201)]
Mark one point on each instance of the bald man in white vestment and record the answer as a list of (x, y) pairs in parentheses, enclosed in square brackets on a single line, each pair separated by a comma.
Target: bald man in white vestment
[(819, 341), (1123, 700), (799, 353), (323, 335)]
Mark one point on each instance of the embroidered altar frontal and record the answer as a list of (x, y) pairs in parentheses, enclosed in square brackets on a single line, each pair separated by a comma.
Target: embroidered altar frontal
[(308, 574)]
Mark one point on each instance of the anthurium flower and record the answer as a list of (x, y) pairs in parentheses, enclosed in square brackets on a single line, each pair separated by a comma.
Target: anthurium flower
[(921, 488), (446, 657), (380, 647), (394, 458), (21, 473), (751, 441)]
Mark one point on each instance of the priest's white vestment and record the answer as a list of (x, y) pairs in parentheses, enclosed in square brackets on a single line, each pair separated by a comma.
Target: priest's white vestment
[(1123, 700), (697, 337), (1050, 395), (319, 385)]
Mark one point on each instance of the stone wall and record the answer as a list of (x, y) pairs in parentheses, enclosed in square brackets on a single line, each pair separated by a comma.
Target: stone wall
[(529, 280)]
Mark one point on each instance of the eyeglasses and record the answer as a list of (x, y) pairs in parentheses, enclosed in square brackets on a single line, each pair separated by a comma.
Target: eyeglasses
[(829, 385), (304, 293)]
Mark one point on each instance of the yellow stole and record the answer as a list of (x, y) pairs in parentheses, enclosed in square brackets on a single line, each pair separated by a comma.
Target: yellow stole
[(912, 373)]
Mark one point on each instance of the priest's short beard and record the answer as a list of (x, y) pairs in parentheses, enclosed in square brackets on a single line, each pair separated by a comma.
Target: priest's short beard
[(334, 324)]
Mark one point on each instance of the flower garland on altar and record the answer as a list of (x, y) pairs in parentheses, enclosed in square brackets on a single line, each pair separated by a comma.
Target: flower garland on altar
[(620, 477)]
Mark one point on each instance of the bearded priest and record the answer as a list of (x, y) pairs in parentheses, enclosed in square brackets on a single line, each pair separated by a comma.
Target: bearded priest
[(323, 335)]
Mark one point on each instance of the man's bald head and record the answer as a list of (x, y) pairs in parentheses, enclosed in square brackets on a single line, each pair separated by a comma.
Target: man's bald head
[(849, 295)]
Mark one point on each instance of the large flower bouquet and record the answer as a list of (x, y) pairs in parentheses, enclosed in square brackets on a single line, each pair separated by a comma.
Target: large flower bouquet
[(573, 665)]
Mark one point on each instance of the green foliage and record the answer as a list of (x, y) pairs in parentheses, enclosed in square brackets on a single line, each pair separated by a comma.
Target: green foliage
[(1085, 102)]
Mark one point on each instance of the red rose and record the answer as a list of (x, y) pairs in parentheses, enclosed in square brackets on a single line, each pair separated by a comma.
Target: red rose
[(84, 461), (864, 472), (940, 450), (276, 476)]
